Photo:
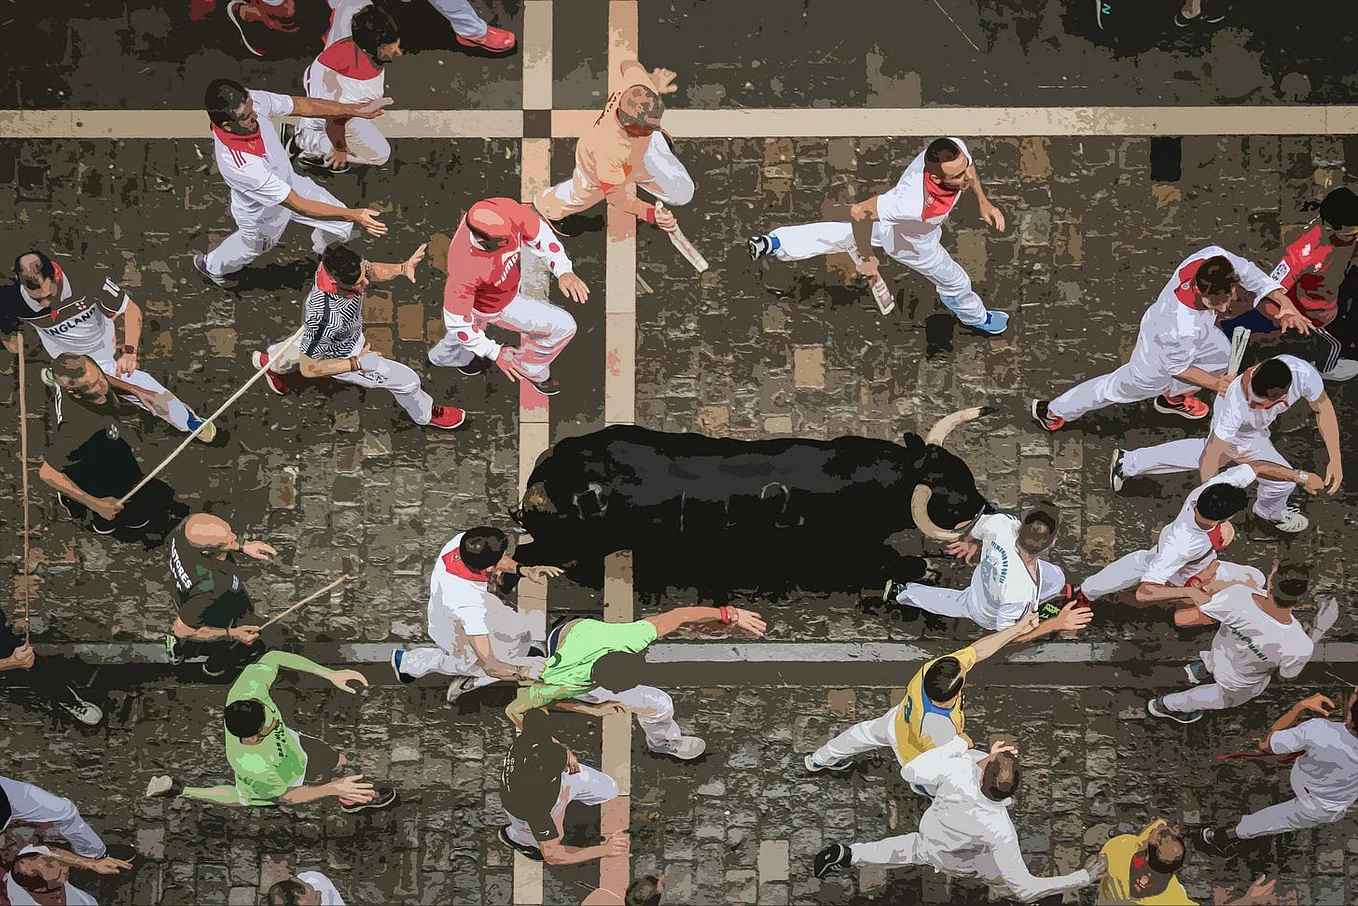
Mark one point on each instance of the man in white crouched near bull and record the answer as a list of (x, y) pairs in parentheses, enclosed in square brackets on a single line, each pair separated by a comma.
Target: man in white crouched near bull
[(905, 222), (478, 639)]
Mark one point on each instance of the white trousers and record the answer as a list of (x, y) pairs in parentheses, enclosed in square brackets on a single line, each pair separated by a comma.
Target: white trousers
[(1132, 385), (511, 635), (878, 733), (1212, 697), (401, 381), (257, 233), (35, 805), (662, 175), (913, 849), (546, 330), (924, 254), (1127, 572), (589, 787), (653, 708), (967, 603), (367, 145), (179, 413), (1184, 455), (1292, 815)]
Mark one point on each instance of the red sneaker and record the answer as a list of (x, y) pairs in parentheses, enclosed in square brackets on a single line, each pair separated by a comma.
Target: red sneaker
[(1044, 418), (1188, 406), (447, 417), (495, 40), (276, 384)]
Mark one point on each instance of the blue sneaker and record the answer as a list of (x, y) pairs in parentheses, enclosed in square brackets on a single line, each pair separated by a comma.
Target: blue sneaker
[(208, 434), (995, 323), (396, 655), (816, 767)]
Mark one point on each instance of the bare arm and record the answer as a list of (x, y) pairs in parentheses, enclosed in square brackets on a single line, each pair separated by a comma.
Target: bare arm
[(62, 484), (490, 663), (1199, 378), (1215, 453), (1158, 593), (862, 225), (1328, 424), (318, 209), (132, 320), (304, 106), (989, 644), (301, 794), (745, 620), (319, 368)]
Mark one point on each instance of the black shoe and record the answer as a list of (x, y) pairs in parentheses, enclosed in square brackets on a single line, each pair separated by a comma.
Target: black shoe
[(172, 650), (833, 858), (386, 798), (396, 655), (1115, 477), (528, 852), (1156, 708), (478, 365), (892, 592), (213, 671), (758, 247), (547, 386), (287, 136), (1217, 840)]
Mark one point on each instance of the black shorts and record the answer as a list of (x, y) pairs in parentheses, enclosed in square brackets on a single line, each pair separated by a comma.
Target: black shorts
[(322, 762)]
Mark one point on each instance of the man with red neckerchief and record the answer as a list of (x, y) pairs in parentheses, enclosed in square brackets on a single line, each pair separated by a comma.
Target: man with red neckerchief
[(478, 639), (484, 275)]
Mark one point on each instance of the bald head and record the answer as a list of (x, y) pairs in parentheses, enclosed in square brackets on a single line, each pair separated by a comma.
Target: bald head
[(211, 533), (487, 219), (640, 106)]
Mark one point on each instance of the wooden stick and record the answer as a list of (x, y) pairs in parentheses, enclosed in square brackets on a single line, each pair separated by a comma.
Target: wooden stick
[(23, 467), (309, 598), (196, 431), (1240, 341), (686, 248)]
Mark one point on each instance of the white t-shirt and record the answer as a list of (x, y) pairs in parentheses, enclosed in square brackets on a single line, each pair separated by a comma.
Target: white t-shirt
[(1002, 589), (330, 896), (82, 324), (1184, 549), (1233, 419), (1250, 644), (255, 166), (18, 896), (464, 597), (1327, 772), (902, 211)]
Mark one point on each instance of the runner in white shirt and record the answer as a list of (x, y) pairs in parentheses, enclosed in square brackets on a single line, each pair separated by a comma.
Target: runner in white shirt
[(1240, 433), (42, 875), (1179, 347), (480, 640), (350, 71), (265, 192), (1258, 635), (308, 888), (1184, 561), (74, 318), (1012, 578), (1324, 777), (25, 802), (905, 222)]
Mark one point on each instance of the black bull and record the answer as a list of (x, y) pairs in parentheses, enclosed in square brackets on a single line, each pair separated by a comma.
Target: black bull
[(721, 515)]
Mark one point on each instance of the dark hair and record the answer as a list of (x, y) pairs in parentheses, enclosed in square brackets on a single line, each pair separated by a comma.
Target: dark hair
[(1215, 275), (1039, 527), (943, 679), (1339, 209), (645, 103), (222, 98), (344, 264), (643, 891), (618, 671), (1168, 857), (28, 879), (1001, 776), (373, 27), (287, 892), (482, 547), (1291, 582), (1272, 379), (45, 270), (244, 718), (941, 150), (1221, 501), (71, 365)]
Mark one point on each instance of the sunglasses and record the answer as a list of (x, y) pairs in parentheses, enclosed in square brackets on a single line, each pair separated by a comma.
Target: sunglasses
[(485, 240)]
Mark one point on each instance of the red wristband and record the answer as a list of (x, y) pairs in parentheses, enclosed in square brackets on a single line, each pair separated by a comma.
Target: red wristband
[(650, 214), (1194, 582), (725, 614)]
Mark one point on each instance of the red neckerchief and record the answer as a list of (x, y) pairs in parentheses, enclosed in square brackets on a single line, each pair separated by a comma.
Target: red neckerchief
[(1214, 536), (1186, 292), (938, 200), (344, 58), (328, 284), (245, 144), (452, 561)]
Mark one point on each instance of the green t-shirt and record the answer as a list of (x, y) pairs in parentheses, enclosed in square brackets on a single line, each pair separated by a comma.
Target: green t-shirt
[(567, 673), (277, 763)]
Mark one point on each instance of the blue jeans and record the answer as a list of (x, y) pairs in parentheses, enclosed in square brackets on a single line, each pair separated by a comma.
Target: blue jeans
[(462, 17)]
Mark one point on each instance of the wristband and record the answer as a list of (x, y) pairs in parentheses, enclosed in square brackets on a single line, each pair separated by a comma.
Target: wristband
[(725, 614), (1194, 582), (129, 349), (1301, 477), (650, 214), (353, 363)]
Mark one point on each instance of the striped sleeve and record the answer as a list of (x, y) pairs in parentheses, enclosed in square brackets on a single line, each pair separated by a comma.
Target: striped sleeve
[(112, 299)]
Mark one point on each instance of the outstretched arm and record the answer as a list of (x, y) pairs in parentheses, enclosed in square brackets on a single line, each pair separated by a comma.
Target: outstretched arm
[(1328, 423)]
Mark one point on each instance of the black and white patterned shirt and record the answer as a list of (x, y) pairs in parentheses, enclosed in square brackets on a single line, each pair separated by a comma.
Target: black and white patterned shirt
[(334, 322)]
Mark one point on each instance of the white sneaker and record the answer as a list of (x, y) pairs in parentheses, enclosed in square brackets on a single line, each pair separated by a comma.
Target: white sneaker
[(85, 712), (686, 749), (459, 686), (1294, 520), (1343, 370)]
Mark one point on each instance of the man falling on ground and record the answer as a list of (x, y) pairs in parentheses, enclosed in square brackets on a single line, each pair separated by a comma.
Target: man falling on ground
[(1179, 347), (332, 344), (484, 277), (623, 151), (906, 222)]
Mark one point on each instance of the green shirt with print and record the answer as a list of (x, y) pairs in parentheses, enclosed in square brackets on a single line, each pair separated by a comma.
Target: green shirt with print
[(567, 672)]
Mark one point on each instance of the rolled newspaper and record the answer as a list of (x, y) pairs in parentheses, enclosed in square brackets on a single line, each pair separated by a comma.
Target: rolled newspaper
[(686, 248)]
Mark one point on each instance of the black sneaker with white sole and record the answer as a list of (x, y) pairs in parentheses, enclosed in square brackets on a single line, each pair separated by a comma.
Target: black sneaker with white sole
[(892, 592), (405, 678), (547, 386), (386, 797), (1216, 840), (478, 365), (758, 247), (1156, 708), (834, 858), (528, 852), (1116, 478)]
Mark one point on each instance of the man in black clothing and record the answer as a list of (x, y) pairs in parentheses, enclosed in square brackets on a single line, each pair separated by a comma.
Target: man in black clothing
[(89, 459), (215, 614), (45, 681)]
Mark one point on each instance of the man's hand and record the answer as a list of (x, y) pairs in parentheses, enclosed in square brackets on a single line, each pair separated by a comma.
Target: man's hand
[(747, 621), (663, 80), (108, 508), (12, 343), (1197, 596), (371, 364), (257, 550), (1072, 617), (868, 266), (108, 865), (616, 845), (1223, 384), (369, 110), (665, 219), (1295, 320), (1334, 476), (1001, 745), (1028, 622), (353, 788), (367, 218), (246, 635), (965, 550), (1327, 614), (408, 268), (1317, 703), (1314, 484), (336, 158), (993, 216), (126, 364), (540, 574), (22, 658), (342, 678), (572, 763), (861, 210), (1097, 866), (575, 288), (508, 362)]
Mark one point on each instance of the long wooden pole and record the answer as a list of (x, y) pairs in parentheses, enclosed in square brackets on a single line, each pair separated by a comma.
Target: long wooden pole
[(24, 578), (196, 431), (309, 598)]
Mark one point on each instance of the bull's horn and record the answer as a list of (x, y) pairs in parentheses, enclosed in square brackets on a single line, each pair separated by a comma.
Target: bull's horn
[(944, 426), (919, 510)]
